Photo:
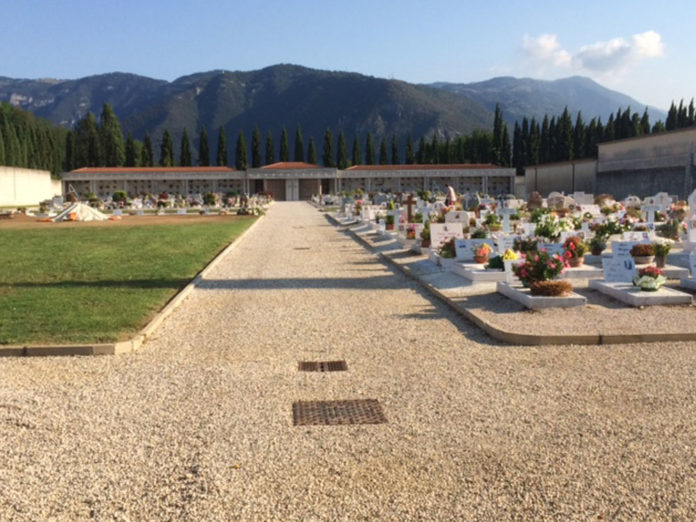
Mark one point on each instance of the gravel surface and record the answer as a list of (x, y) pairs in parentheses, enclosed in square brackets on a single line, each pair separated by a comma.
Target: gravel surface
[(197, 425)]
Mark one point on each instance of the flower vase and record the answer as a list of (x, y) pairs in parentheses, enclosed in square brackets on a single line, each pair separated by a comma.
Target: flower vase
[(660, 261), (481, 259), (643, 260), (575, 262)]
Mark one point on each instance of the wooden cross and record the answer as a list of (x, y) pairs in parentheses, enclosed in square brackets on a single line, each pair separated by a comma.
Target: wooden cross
[(410, 202)]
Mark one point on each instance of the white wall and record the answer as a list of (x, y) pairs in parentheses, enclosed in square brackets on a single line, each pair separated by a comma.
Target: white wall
[(24, 187)]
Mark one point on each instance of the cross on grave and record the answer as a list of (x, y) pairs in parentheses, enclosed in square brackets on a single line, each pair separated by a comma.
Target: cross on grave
[(410, 203), (650, 211), (507, 212)]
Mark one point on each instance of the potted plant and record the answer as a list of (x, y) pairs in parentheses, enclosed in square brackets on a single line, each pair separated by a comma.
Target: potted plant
[(538, 271), (493, 222), (598, 244), (411, 232), (482, 253), (649, 279), (447, 250), (575, 249), (425, 235), (662, 247), (390, 222), (495, 263), (525, 245), (479, 233), (643, 253)]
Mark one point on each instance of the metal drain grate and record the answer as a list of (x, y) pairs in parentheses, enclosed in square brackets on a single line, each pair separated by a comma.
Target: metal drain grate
[(302, 248), (322, 366), (332, 413)]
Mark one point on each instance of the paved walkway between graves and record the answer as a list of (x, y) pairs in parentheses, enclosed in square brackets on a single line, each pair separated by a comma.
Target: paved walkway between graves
[(197, 424)]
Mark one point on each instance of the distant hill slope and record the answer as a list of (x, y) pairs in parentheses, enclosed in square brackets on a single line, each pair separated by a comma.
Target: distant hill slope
[(519, 97), (277, 96), (288, 95)]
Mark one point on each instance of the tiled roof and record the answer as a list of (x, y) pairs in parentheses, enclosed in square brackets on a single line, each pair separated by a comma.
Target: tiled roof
[(124, 170), (449, 166), (291, 165)]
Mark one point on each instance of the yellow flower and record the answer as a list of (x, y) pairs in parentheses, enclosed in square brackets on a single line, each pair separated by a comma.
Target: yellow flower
[(509, 255)]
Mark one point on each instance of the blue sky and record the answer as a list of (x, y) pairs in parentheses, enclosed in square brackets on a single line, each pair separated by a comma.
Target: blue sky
[(644, 49)]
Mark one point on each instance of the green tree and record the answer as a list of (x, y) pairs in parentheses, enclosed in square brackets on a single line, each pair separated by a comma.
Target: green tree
[(342, 152), (410, 153), (203, 148), (270, 149), (327, 156), (434, 150), (356, 156), (299, 145), (421, 153), (185, 159), (166, 150), (311, 152), (383, 157), (111, 138), (221, 158), (69, 151), (256, 148), (87, 143), (394, 151), (284, 146), (146, 156), (369, 150), (241, 154), (131, 160)]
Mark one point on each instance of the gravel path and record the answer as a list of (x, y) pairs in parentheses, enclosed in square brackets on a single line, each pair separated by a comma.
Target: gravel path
[(197, 425)]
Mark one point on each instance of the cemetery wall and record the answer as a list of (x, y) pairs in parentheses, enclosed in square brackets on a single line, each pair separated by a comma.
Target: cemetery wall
[(21, 187), (568, 177), (668, 149), (646, 182)]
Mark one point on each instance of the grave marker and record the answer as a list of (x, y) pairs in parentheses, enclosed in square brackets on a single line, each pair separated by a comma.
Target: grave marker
[(618, 269)]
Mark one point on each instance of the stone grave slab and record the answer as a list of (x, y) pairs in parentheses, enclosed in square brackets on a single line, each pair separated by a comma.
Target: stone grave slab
[(476, 272), (534, 302), (633, 296), (583, 272)]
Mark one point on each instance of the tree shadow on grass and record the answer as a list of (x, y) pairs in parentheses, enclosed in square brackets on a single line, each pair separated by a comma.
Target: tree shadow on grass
[(125, 283)]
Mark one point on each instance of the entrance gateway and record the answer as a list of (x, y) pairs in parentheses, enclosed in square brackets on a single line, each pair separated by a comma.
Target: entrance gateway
[(292, 190)]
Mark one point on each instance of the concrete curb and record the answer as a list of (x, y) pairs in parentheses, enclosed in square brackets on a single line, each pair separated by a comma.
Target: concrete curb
[(517, 338), (137, 340)]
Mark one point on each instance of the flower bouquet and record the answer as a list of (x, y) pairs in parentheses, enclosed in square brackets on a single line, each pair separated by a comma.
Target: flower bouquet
[(643, 253), (649, 279), (662, 247), (574, 250), (482, 253), (447, 250), (537, 272)]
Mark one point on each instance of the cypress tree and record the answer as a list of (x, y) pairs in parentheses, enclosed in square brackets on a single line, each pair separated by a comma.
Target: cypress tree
[(221, 158), (284, 146), (166, 150), (256, 148), (410, 154), (270, 149), (498, 125), (311, 152), (534, 143), (87, 144), (203, 148), (421, 153), (517, 149), (356, 160), (130, 160), (671, 121), (146, 156), (111, 137), (579, 136), (645, 122), (185, 159), (342, 152), (327, 154), (369, 150), (394, 151), (545, 146), (434, 150), (299, 145), (505, 148), (383, 158), (69, 151), (241, 154)]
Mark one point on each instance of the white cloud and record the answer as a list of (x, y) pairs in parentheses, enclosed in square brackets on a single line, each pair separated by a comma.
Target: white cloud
[(614, 56)]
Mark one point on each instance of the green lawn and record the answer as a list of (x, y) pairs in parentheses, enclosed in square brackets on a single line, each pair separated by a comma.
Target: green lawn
[(98, 284)]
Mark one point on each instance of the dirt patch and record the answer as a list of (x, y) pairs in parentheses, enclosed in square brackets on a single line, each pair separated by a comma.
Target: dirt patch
[(26, 222)]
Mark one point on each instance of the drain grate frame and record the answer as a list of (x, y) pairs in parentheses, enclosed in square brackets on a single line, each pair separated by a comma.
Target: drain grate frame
[(322, 366), (337, 413)]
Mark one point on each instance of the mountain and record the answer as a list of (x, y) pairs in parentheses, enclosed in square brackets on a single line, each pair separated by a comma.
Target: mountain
[(520, 97), (288, 95), (277, 96)]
